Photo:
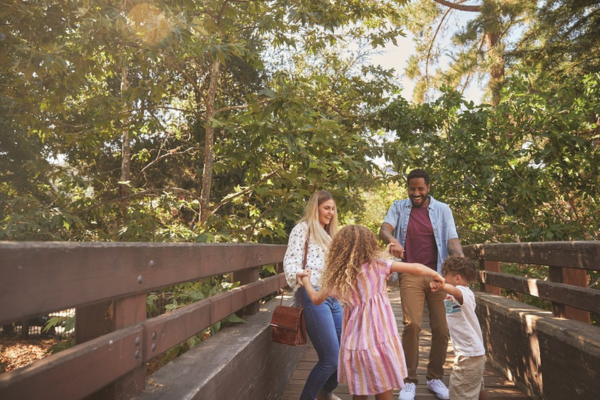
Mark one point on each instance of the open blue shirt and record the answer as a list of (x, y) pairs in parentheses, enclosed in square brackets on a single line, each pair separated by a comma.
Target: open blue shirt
[(442, 223)]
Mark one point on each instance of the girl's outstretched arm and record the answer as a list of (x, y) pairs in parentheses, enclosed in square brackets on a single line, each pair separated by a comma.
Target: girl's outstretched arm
[(416, 269), (316, 297)]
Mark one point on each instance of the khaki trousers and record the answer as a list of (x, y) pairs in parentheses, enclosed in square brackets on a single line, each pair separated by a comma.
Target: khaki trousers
[(414, 292), (466, 379)]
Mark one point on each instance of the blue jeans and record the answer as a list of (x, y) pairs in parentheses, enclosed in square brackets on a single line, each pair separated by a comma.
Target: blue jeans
[(324, 328)]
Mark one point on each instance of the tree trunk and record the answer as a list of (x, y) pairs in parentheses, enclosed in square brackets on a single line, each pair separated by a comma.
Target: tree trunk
[(491, 39), (209, 154), (125, 149), (126, 145), (496, 66)]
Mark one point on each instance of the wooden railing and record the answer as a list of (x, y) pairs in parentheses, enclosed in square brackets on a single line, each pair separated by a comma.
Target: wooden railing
[(551, 355), (108, 284), (566, 284)]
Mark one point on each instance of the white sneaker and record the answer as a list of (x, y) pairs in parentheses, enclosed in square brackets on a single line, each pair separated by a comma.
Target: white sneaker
[(408, 392), (438, 387)]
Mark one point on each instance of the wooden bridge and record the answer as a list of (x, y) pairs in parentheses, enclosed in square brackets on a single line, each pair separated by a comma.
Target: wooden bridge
[(532, 353)]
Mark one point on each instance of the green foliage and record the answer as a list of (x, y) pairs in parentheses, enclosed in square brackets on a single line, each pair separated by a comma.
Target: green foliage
[(563, 38), (67, 322), (190, 292), (151, 306), (527, 271), (526, 170), (267, 270), (68, 325), (73, 84), (62, 345), (377, 201)]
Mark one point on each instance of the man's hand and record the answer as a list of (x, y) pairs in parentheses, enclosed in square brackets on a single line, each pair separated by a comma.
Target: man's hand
[(395, 249), (386, 234)]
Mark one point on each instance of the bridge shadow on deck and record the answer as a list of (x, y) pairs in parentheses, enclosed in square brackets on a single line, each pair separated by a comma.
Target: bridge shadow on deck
[(498, 387)]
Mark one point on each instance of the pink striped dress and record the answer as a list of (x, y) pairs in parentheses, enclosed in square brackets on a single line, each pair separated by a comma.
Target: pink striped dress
[(371, 356)]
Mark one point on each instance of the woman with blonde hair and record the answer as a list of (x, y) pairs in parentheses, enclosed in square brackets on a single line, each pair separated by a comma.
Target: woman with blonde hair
[(324, 321)]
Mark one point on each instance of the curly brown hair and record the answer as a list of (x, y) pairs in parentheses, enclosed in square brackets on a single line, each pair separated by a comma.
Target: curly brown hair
[(462, 266), (350, 249)]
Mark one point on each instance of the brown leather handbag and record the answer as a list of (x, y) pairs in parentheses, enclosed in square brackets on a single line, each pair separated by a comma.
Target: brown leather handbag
[(287, 323)]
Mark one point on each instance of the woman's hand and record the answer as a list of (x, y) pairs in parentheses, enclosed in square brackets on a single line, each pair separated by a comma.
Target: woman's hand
[(303, 274)]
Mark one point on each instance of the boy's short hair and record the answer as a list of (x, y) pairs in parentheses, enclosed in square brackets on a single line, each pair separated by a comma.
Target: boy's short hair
[(462, 266)]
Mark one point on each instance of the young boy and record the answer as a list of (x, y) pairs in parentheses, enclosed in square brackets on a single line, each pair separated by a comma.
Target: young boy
[(466, 380)]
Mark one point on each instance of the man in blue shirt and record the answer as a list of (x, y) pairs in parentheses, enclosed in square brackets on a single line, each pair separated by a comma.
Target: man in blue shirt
[(422, 230)]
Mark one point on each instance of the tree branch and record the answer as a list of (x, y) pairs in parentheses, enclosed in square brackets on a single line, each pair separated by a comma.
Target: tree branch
[(458, 6), (229, 198), (222, 10), (189, 79), (169, 108), (149, 109), (433, 41), (256, 221), (577, 24), (230, 108), (471, 71), (138, 194), (172, 152)]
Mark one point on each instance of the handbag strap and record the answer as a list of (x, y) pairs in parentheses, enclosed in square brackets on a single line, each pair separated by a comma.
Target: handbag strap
[(303, 267)]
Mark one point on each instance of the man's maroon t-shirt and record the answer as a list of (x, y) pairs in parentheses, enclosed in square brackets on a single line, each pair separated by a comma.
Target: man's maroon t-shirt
[(420, 243)]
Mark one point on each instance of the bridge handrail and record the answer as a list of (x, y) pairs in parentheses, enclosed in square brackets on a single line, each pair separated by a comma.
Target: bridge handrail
[(566, 287), (108, 283), (42, 277)]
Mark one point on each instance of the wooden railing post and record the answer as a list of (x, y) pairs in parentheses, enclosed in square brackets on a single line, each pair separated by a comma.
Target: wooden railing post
[(569, 276), (248, 276), (99, 319), (491, 266), (25, 329)]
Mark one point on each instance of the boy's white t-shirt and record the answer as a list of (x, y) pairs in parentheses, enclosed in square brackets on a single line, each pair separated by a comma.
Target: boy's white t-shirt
[(463, 324)]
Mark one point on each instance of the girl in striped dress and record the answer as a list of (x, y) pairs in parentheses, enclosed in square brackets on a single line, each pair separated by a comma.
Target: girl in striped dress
[(371, 359)]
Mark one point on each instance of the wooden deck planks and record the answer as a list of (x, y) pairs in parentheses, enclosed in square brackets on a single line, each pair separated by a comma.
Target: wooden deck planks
[(497, 385)]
